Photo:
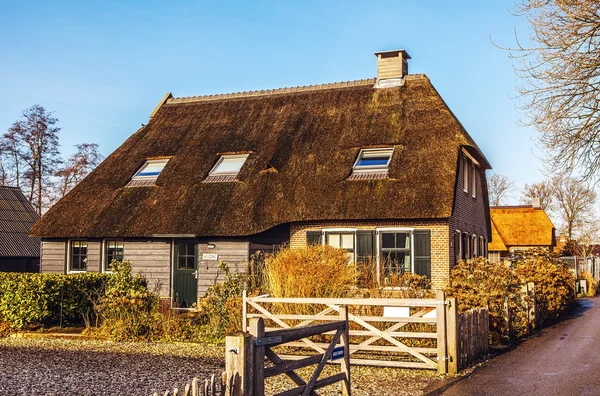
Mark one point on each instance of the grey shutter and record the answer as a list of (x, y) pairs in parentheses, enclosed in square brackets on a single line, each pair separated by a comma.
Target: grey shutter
[(313, 237), (423, 252), (365, 246)]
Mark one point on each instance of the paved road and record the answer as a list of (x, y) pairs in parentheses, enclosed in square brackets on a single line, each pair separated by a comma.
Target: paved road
[(563, 360)]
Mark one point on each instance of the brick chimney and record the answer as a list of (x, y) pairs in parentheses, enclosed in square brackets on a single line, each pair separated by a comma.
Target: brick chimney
[(392, 67), (536, 203)]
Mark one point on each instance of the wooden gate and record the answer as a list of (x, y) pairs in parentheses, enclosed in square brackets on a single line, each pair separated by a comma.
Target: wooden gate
[(393, 332)]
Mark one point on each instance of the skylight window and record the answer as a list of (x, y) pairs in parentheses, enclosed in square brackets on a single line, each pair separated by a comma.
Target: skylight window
[(373, 160), (228, 165), (151, 169)]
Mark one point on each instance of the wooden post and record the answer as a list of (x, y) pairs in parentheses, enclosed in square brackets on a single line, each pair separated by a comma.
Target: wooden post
[(238, 365), (452, 334), (257, 329), (441, 332), (244, 311), (345, 341)]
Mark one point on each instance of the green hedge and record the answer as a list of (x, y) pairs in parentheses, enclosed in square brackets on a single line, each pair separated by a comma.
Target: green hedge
[(35, 300)]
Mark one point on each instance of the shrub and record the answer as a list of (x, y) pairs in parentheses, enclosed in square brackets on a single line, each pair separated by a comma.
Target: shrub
[(33, 300), (221, 308), (554, 282), (311, 271), (592, 283), (481, 283)]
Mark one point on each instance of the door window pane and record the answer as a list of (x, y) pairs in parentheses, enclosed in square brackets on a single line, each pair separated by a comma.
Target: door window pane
[(186, 256)]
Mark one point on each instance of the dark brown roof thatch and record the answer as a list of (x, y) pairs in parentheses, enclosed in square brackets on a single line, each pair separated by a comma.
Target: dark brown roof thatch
[(16, 218), (302, 143), (520, 226)]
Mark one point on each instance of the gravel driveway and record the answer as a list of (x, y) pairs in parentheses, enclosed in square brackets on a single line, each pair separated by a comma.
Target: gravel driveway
[(47, 366), (69, 367)]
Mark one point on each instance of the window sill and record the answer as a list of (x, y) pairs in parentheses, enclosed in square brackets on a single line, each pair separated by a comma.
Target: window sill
[(76, 272)]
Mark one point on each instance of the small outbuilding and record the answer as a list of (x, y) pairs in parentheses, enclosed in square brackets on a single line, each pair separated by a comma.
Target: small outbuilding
[(18, 251)]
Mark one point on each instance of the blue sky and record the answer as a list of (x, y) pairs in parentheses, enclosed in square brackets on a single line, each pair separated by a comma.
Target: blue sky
[(103, 66)]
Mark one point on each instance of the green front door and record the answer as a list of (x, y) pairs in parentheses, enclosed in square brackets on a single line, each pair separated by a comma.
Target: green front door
[(185, 284)]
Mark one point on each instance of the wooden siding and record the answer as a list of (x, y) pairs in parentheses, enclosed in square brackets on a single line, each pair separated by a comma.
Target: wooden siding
[(53, 256), (94, 256), (153, 260), (234, 253)]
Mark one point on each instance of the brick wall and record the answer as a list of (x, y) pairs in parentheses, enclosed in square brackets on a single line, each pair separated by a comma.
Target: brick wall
[(440, 238), (469, 214)]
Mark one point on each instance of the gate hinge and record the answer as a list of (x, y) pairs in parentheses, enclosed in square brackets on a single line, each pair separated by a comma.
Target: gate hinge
[(267, 341)]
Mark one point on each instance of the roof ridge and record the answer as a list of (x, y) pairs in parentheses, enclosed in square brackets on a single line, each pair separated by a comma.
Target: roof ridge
[(284, 90), (266, 92)]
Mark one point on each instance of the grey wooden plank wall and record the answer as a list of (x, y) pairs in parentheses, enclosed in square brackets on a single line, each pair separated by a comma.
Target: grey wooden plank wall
[(53, 256), (235, 254), (153, 260), (94, 256)]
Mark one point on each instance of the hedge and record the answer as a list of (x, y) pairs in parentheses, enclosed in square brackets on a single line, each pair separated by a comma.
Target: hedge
[(39, 300)]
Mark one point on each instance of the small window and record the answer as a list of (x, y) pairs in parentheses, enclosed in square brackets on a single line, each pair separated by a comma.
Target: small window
[(151, 169), (466, 174), (228, 165), (342, 240), (474, 247), (373, 159), (464, 253), (457, 254), (186, 256), (473, 181), (114, 251), (78, 256)]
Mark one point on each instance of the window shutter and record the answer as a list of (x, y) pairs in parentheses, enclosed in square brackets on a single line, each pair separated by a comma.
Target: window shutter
[(423, 252), (313, 237), (365, 246)]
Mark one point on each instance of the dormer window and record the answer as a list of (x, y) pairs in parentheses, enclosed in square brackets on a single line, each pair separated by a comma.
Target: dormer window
[(227, 168), (148, 173), (372, 164)]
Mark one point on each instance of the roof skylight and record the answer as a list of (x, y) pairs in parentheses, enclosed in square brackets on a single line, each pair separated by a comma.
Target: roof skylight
[(375, 160), (228, 165), (150, 170)]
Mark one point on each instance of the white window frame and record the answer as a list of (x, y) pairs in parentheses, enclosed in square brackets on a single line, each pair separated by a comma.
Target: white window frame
[(214, 172), (148, 162), (379, 231), (475, 243), (372, 168), (340, 230), (69, 254), (104, 255), (474, 180), (466, 181)]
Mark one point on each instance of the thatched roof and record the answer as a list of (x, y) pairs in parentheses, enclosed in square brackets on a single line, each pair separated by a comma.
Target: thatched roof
[(16, 218), (520, 226), (302, 144)]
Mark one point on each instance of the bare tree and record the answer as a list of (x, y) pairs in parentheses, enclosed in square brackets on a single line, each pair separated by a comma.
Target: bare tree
[(34, 145), (499, 189), (78, 166), (574, 204), (560, 81), (543, 190), (586, 238), (13, 158)]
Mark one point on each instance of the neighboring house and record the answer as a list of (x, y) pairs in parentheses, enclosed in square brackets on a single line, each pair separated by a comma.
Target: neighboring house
[(18, 251), (519, 228), (379, 167)]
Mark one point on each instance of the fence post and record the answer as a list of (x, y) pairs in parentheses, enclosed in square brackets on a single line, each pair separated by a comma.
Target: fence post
[(345, 341), (452, 335), (257, 329), (244, 311), (441, 332), (238, 365)]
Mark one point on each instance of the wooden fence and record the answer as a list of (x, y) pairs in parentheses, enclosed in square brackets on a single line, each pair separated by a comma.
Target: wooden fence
[(408, 333), (213, 386), (245, 358), (473, 327)]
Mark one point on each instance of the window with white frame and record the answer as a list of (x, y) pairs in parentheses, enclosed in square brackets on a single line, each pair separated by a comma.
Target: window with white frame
[(229, 165), (457, 247), (78, 256), (473, 181), (395, 252), (465, 174), (373, 160), (113, 252), (481, 247), (343, 240), (151, 169), (474, 247)]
